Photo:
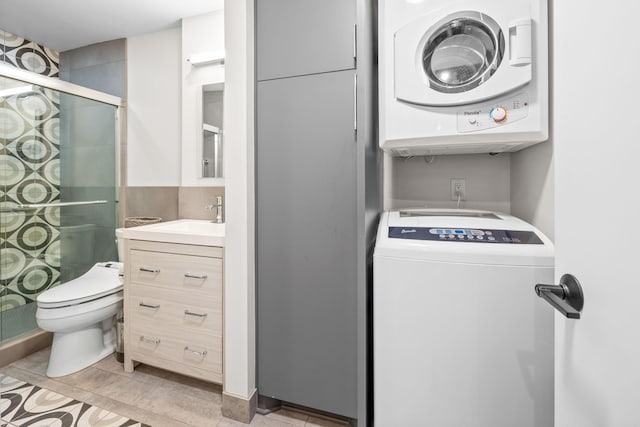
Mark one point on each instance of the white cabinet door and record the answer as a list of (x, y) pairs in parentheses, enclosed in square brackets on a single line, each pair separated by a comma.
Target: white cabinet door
[(596, 69)]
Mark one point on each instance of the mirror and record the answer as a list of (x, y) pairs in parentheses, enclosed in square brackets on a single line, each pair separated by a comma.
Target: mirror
[(212, 131)]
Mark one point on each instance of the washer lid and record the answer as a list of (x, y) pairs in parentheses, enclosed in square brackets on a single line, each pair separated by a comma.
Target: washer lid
[(100, 280), (462, 236)]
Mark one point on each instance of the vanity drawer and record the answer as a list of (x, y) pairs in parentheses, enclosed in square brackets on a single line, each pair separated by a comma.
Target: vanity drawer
[(177, 310), (192, 351), (184, 272)]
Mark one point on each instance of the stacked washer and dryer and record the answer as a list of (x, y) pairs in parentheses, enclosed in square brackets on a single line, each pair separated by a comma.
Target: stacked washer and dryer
[(460, 339)]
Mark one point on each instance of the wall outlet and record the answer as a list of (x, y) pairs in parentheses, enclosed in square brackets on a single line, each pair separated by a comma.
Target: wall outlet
[(458, 187)]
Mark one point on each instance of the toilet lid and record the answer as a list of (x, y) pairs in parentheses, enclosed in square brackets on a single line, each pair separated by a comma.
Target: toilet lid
[(100, 280)]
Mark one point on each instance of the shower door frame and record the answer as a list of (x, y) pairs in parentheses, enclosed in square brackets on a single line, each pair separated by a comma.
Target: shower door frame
[(59, 85)]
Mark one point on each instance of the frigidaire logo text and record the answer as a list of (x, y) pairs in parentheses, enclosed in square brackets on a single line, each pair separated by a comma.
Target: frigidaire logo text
[(472, 113), (407, 231)]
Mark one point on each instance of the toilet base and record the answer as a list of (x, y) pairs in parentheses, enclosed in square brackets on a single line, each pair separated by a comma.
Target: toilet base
[(74, 351)]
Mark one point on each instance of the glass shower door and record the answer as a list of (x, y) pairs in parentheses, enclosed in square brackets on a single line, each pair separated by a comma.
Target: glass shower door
[(29, 173), (57, 152)]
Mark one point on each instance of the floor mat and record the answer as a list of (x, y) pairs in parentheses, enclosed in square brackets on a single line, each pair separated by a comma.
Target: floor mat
[(24, 404)]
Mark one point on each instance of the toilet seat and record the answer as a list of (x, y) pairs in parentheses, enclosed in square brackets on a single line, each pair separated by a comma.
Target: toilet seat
[(89, 289), (76, 310)]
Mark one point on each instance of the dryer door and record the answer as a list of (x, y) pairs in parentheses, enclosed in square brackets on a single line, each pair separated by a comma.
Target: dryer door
[(462, 58)]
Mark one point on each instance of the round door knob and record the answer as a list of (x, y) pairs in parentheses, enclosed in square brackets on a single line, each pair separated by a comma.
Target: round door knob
[(498, 114)]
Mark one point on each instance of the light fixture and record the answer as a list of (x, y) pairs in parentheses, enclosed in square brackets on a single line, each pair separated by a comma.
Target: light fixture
[(15, 91), (206, 58)]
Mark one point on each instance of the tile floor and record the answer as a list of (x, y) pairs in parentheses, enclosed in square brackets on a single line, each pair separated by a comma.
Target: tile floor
[(147, 396)]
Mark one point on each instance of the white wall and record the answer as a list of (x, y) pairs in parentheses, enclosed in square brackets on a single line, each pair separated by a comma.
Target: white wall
[(532, 186), (154, 109), (203, 33), (239, 286), (416, 183)]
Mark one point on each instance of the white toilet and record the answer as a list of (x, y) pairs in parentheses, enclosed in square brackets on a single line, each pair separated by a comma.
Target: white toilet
[(81, 313)]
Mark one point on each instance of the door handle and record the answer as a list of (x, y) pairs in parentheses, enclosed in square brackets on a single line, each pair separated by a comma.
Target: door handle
[(520, 42), (567, 297)]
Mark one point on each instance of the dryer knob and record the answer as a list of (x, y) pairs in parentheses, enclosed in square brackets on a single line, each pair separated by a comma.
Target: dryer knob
[(498, 114)]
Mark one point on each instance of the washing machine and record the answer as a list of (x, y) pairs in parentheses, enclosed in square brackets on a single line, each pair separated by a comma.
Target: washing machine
[(462, 76), (460, 337)]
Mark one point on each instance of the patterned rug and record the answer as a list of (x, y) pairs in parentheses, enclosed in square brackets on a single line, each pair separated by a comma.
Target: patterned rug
[(24, 404)]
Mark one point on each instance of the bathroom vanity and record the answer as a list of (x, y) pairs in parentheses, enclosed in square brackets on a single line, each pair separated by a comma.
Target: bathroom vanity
[(173, 297)]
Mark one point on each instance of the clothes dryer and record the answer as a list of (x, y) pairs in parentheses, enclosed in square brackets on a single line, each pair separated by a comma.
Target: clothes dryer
[(462, 76), (460, 337)]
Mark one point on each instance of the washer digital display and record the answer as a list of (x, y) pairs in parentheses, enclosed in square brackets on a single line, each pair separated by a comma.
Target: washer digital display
[(515, 237)]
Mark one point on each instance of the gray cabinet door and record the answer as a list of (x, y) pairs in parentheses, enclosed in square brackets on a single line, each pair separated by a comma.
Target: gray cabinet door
[(297, 37), (306, 240)]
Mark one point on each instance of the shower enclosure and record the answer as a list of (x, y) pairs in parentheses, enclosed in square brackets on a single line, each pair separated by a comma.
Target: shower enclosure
[(59, 150)]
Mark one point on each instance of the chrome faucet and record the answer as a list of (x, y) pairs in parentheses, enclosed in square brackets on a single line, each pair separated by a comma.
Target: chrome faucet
[(219, 209)]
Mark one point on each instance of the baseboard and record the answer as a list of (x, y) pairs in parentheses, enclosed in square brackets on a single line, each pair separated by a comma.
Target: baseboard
[(18, 348), (239, 408)]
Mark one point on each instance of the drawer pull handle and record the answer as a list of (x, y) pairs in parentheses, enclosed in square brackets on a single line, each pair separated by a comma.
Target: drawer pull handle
[(195, 276), (149, 305), (149, 270), (191, 313), (197, 353), (149, 340)]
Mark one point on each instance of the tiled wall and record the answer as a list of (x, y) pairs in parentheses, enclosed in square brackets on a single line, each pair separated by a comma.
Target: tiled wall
[(27, 55), (170, 203), (29, 173), (100, 66)]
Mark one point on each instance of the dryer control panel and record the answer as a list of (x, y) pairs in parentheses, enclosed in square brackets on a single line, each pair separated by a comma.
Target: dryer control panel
[(499, 113), (518, 237)]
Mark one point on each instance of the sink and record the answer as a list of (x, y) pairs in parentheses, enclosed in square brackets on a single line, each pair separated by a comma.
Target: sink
[(191, 226), (185, 231)]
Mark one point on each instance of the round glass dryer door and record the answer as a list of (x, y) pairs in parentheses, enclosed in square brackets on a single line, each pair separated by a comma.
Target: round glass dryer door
[(462, 51)]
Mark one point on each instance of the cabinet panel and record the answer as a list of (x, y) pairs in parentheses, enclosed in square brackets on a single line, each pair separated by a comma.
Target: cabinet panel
[(176, 248), (196, 350), (184, 272), (306, 240), (176, 310), (296, 37)]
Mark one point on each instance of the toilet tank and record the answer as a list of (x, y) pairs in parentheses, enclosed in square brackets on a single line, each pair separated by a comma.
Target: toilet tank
[(120, 243)]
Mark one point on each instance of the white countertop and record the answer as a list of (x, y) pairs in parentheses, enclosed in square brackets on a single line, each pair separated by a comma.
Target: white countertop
[(184, 231)]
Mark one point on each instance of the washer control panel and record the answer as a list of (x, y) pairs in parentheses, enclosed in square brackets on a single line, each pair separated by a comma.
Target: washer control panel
[(499, 113), (518, 237)]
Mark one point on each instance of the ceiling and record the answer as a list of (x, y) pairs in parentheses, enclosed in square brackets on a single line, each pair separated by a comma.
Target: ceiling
[(67, 24)]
